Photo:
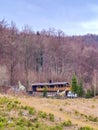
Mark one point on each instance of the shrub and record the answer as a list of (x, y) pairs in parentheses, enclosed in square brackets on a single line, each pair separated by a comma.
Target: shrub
[(42, 114), (17, 102), (20, 121), (3, 100), (3, 122), (12, 105), (28, 123), (58, 127), (67, 123), (37, 125), (76, 112), (24, 107), (45, 92), (32, 111), (89, 94), (94, 119), (34, 119), (51, 117), (85, 128)]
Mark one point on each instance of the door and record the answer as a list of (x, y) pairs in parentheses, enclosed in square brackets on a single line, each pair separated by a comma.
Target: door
[(34, 88)]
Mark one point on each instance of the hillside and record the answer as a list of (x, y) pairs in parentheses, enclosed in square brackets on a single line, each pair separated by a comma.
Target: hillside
[(29, 113), (31, 56)]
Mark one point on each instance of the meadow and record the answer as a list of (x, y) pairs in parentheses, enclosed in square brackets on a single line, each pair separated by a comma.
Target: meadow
[(37, 113)]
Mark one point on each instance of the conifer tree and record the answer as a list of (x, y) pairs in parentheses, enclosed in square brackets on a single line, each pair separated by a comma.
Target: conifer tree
[(74, 84), (45, 92), (80, 89)]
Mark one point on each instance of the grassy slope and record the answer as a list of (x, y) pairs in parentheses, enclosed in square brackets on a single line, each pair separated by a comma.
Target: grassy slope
[(81, 112)]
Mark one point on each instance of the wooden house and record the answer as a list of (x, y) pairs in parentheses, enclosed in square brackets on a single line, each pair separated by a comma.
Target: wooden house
[(51, 87)]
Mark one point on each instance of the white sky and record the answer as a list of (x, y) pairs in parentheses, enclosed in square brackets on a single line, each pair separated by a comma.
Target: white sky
[(74, 17)]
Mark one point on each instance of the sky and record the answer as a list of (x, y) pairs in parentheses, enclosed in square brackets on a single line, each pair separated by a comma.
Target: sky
[(73, 17)]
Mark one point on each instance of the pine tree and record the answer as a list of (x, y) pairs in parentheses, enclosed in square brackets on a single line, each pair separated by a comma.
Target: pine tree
[(80, 89), (45, 92), (74, 85)]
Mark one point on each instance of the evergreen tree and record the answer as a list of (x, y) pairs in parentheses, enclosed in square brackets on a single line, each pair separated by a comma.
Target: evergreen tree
[(89, 94), (74, 84), (45, 92), (80, 89)]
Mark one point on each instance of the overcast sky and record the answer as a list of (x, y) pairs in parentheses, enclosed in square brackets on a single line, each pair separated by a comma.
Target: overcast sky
[(71, 16)]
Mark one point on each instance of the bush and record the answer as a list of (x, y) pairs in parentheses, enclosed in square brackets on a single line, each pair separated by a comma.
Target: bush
[(58, 127), (89, 94), (12, 105), (45, 92), (20, 121), (24, 107), (85, 128), (94, 119), (42, 114), (4, 100), (17, 102), (32, 111), (3, 122), (67, 123), (51, 117)]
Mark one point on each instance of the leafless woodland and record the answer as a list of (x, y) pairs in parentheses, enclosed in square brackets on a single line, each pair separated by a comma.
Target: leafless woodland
[(39, 56)]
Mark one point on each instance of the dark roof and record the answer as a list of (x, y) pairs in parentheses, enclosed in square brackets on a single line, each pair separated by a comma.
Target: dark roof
[(54, 83)]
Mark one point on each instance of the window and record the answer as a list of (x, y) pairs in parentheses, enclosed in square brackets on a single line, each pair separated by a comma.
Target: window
[(51, 86), (41, 86), (62, 85)]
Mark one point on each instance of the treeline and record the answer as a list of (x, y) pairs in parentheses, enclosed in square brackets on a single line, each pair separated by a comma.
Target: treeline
[(31, 56)]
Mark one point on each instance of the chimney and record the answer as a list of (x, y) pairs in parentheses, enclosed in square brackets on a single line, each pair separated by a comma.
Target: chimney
[(50, 81)]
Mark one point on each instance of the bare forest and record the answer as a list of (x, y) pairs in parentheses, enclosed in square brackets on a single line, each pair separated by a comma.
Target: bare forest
[(39, 56)]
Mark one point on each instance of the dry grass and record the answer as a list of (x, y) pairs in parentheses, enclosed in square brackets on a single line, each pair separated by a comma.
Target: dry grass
[(65, 109), (76, 110)]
